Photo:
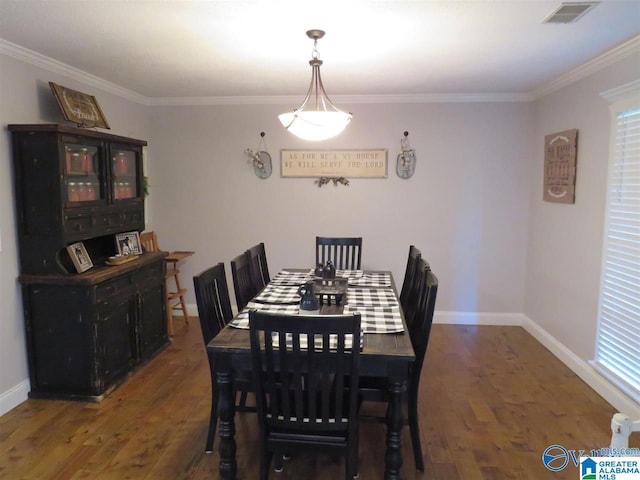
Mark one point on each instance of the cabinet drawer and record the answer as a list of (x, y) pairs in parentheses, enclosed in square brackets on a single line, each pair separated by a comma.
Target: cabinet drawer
[(107, 222), (151, 275), (133, 216), (78, 224), (113, 288)]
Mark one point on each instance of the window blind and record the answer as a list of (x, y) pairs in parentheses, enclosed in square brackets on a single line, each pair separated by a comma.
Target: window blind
[(618, 342)]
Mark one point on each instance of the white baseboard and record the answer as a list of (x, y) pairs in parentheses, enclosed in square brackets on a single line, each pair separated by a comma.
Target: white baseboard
[(192, 309), (476, 318), (14, 396), (597, 382)]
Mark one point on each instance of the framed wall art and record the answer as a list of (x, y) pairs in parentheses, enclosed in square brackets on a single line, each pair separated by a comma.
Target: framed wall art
[(370, 163), (79, 107), (128, 243), (79, 257), (560, 157)]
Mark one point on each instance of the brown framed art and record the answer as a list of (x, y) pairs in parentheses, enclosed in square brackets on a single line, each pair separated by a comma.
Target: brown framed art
[(79, 107), (79, 257), (560, 157)]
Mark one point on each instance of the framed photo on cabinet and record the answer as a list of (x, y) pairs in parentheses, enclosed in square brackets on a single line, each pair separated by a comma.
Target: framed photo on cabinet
[(79, 257), (128, 243)]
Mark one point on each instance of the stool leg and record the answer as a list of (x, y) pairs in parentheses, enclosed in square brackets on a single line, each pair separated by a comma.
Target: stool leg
[(169, 315), (182, 303)]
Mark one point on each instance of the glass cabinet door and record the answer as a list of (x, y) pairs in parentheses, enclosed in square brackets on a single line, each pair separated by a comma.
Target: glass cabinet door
[(83, 173), (124, 168)]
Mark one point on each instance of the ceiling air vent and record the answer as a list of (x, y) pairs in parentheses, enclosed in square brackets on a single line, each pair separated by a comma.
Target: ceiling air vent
[(569, 12)]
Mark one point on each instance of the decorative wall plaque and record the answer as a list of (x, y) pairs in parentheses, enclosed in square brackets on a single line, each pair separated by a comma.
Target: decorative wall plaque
[(334, 163), (560, 155), (79, 107)]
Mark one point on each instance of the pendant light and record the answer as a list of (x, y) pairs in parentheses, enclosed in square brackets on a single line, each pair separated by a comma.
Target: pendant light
[(317, 118)]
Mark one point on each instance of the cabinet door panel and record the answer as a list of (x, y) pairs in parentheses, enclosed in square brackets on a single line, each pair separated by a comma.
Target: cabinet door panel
[(153, 320), (84, 171), (59, 323), (115, 338), (126, 172)]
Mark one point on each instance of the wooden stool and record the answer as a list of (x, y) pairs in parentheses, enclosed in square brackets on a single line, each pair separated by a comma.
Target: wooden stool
[(175, 292)]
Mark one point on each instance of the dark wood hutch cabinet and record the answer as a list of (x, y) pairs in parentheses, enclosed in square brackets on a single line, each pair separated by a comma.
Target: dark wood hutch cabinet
[(85, 331)]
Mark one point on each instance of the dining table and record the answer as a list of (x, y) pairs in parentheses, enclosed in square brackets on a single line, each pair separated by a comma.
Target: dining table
[(386, 348)]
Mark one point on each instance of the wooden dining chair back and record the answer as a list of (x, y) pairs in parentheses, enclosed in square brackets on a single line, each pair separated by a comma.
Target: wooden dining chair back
[(409, 292), (420, 333), (175, 291), (344, 252), (374, 389), (305, 375), (214, 311), (243, 284), (259, 266)]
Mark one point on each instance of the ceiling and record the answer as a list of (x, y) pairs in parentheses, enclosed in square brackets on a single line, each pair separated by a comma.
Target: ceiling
[(257, 48)]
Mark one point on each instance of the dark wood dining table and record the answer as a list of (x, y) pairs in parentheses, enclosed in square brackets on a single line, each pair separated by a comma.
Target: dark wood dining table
[(383, 355)]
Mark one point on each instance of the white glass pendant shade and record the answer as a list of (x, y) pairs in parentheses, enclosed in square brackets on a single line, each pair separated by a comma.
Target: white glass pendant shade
[(317, 118), (315, 125)]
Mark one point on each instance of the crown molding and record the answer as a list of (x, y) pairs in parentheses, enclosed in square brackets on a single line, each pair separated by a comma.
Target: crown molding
[(623, 92), (344, 99), (610, 57), (54, 66)]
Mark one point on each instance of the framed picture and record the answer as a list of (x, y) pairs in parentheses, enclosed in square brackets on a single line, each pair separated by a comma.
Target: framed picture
[(128, 243), (79, 107), (560, 157), (79, 257)]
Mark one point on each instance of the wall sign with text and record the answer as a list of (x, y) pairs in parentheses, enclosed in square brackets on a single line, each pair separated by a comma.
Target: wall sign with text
[(560, 154), (334, 163)]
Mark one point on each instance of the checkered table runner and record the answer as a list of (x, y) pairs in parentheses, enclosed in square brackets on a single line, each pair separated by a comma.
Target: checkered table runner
[(285, 277), (369, 297), (278, 294), (378, 319), (371, 280)]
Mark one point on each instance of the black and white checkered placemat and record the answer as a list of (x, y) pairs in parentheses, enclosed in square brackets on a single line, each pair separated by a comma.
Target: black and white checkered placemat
[(242, 319), (370, 297), (371, 280), (278, 294), (285, 277), (378, 319), (349, 273)]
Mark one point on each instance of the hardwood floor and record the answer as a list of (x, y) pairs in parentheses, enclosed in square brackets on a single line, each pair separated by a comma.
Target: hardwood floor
[(492, 399)]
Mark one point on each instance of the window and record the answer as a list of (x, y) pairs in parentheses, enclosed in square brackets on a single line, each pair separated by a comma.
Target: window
[(618, 342)]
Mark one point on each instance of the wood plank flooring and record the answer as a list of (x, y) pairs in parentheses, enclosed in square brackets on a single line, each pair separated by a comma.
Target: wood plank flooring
[(492, 399)]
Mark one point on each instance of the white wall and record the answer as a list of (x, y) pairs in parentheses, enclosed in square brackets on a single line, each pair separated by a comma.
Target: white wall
[(466, 206), (25, 97), (565, 241)]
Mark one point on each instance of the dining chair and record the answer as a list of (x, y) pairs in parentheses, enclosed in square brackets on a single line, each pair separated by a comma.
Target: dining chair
[(305, 376), (344, 252), (259, 266), (214, 311), (175, 291), (410, 286), (243, 284), (373, 389)]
